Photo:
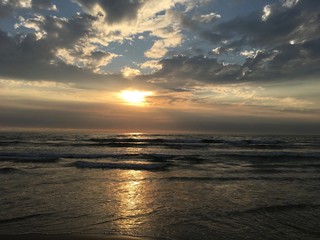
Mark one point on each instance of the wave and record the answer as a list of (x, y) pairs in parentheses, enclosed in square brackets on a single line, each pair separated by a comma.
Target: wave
[(55, 157), (13, 142), (265, 210), (227, 179), (128, 166), (179, 142), (8, 170), (281, 165), (275, 209), (21, 218), (122, 140), (256, 159), (272, 155), (183, 142), (125, 144), (30, 159)]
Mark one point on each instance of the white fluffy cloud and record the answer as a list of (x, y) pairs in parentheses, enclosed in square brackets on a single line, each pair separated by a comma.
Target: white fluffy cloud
[(129, 73), (156, 17), (207, 17), (266, 13)]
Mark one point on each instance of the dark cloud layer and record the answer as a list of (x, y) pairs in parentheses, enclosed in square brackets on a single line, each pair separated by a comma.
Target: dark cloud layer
[(288, 43), (285, 62), (198, 68), (23, 56), (90, 116), (196, 26), (282, 24), (115, 10)]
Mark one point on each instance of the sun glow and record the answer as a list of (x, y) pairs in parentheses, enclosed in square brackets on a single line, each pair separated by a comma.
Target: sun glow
[(136, 97)]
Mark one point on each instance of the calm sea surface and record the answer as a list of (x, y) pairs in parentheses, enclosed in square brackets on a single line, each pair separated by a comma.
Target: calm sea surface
[(162, 186)]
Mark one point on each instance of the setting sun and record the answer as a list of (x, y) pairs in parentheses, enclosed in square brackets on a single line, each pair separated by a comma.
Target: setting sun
[(135, 97)]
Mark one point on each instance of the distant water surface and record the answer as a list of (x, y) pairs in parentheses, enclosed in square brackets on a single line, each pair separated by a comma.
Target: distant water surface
[(162, 186)]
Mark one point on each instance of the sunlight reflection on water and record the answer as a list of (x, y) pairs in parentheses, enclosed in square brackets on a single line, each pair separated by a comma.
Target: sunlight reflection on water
[(133, 200)]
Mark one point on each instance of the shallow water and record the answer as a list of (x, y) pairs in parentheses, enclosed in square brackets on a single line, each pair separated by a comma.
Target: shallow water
[(163, 186)]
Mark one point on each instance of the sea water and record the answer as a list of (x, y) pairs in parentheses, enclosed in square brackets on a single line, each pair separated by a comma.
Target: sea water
[(162, 186)]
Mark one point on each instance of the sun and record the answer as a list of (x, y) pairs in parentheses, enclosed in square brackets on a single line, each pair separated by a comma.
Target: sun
[(135, 97)]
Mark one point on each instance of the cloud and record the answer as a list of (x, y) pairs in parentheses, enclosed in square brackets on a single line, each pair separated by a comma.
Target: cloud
[(196, 25), (250, 54), (43, 4), (289, 3), (8, 7), (153, 65), (73, 49), (278, 24), (26, 113), (266, 13), (157, 18), (282, 46), (199, 68), (130, 72), (288, 61), (167, 30), (113, 11), (94, 59), (280, 43), (206, 18), (62, 53)]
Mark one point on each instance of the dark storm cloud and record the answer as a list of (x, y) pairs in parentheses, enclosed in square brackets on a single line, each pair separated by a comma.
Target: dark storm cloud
[(114, 10)]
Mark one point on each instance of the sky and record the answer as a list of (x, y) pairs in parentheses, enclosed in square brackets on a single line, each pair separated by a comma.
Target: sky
[(207, 66)]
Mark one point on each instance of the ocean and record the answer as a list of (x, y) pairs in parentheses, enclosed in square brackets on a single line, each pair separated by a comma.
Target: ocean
[(162, 186)]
